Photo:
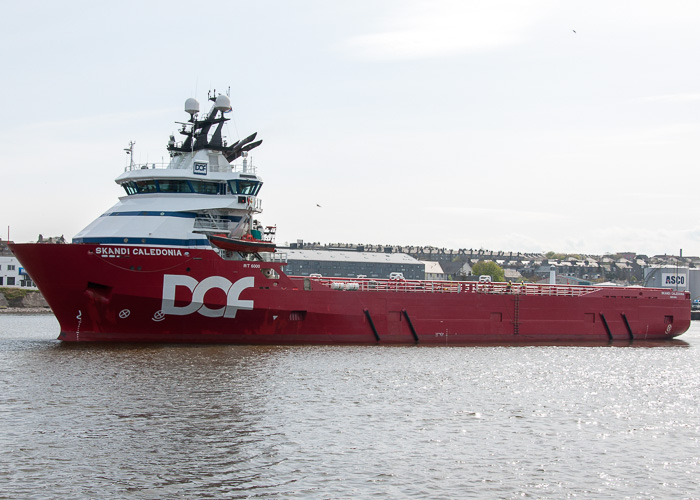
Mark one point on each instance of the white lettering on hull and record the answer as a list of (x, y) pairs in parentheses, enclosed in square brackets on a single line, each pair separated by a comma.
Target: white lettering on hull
[(168, 252), (110, 251), (148, 252), (198, 289)]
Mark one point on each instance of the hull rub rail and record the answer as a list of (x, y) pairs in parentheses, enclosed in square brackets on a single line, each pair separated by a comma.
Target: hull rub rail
[(410, 325), (371, 323), (607, 328), (627, 324)]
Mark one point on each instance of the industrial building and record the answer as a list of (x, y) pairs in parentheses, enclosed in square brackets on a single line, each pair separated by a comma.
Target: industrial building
[(675, 278), (350, 264)]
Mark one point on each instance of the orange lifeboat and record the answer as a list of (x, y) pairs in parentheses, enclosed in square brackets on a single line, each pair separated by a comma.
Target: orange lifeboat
[(245, 244)]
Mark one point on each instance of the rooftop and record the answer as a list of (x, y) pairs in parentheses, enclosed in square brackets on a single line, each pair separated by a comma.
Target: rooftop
[(348, 256)]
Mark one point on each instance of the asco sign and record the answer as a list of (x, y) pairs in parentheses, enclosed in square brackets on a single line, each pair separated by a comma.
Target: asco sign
[(674, 280)]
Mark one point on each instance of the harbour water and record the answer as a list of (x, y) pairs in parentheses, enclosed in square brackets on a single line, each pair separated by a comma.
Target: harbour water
[(180, 421)]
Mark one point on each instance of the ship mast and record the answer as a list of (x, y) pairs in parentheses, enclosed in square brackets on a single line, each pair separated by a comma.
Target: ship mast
[(130, 152)]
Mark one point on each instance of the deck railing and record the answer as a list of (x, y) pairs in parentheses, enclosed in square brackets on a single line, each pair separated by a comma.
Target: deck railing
[(249, 169), (420, 286), (211, 223), (145, 166)]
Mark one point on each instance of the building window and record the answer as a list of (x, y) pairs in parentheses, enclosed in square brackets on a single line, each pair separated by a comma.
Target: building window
[(1, 278), (10, 267), (10, 280)]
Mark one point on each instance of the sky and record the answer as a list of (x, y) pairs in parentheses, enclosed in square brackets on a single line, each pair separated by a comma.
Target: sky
[(528, 126)]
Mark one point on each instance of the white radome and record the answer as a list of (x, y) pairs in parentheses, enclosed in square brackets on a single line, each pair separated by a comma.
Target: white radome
[(223, 103), (192, 106)]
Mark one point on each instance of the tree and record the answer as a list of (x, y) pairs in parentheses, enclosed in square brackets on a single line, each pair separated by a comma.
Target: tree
[(490, 268), (555, 256)]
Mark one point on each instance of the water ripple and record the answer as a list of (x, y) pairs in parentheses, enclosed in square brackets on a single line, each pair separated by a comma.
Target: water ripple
[(159, 421)]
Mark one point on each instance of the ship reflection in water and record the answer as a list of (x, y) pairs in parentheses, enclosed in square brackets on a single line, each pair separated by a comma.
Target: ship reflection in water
[(163, 421)]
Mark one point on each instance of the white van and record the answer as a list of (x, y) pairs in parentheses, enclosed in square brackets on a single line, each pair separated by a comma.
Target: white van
[(484, 278), (396, 276)]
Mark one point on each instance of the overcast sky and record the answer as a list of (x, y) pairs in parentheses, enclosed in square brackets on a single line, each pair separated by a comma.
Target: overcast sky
[(504, 125)]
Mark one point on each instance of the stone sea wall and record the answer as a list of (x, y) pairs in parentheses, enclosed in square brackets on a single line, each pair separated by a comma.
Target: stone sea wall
[(16, 300)]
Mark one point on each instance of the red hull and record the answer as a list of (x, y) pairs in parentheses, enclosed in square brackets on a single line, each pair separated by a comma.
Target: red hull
[(148, 294)]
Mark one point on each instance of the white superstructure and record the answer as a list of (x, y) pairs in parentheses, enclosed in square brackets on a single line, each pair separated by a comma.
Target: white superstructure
[(197, 194)]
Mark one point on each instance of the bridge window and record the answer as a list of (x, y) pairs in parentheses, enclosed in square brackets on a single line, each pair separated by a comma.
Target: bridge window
[(148, 186), (245, 187), (174, 186), (130, 187), (204, 187)]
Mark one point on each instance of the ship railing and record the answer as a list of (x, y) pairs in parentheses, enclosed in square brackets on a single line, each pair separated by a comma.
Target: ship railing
[(211, 224), (274, 257), (421, 286), (246, 169), (145, 166)]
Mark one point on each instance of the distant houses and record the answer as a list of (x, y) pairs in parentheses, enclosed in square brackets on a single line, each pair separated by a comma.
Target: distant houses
[(433, 263), (624, 268)]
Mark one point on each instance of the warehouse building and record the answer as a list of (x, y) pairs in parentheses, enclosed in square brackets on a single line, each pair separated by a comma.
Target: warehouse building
[(675, 278), (350, 264)]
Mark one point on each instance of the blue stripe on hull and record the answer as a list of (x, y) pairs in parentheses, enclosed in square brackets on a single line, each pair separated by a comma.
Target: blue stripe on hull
[(146, 213), (144, 241), (182, 215)]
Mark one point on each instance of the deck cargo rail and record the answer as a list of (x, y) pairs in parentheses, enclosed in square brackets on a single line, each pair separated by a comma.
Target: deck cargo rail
[(494, 288)]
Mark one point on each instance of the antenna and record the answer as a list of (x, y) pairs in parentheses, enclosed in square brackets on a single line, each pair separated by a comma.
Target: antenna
[(130, 152)]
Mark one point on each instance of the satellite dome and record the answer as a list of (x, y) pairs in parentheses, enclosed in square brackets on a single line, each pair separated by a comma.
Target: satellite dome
[(223, 103), (192, 106)]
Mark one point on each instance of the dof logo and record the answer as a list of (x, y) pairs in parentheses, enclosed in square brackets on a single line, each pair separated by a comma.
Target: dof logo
[(199, 168), (199, 290)]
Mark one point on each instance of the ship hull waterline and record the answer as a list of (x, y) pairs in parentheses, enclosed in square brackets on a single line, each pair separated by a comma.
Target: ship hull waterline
[(188, 295)]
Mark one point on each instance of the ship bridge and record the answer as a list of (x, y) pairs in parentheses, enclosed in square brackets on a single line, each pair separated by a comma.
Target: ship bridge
[(197, 194)]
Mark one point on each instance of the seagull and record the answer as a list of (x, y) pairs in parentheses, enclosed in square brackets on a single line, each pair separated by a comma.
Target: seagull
[(574, 31)]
